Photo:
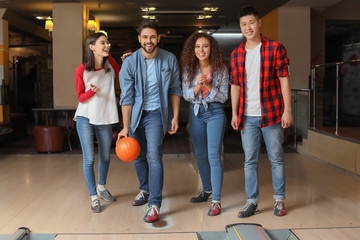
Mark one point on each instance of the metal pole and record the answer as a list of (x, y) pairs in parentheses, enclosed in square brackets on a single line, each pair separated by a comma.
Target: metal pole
[(337, 101), (308, 108), (313, 87), (295, 122)]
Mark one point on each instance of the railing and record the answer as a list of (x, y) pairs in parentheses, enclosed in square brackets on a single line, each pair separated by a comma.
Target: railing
[(336, 95), (295, 93)]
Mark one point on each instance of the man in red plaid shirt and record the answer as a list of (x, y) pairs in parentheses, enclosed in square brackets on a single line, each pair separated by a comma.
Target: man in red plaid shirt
[(261, 105)]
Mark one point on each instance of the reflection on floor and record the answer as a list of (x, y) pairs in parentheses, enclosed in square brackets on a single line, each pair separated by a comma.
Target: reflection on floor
[(47, 193)]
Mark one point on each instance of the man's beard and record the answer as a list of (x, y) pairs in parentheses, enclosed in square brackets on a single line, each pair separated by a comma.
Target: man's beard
[(149, 52)]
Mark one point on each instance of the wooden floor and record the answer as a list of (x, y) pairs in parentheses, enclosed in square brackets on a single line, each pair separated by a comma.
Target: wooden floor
[(47, 193)]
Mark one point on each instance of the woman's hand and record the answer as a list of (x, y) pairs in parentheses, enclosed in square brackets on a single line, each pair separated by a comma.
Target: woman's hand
[(94, 88), (125, 55), (201, 79)]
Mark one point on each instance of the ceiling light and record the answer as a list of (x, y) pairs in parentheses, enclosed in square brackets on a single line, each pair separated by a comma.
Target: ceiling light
[(104, 32), (148, 9), (43, 17), (151, 17), (211, 9), (201, 17)]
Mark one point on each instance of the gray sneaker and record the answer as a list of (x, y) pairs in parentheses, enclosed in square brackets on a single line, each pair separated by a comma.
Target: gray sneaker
[(95, 206), (248, 210), (141, 199), (106, 195)]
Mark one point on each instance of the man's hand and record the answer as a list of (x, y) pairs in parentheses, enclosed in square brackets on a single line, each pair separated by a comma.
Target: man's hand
[(234, 122), (123, 134), (286, 119), (174, 126)]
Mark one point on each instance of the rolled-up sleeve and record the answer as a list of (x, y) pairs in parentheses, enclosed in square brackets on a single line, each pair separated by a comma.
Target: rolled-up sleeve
[(281, 62), (188, 90), (126, 80), (234, 77), (174, 88)]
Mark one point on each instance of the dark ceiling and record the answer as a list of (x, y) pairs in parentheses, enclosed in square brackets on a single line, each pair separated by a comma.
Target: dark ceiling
[(176, 18), (112, 13)]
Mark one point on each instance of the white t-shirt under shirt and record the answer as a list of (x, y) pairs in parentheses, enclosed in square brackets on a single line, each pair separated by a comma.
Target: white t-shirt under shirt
[(252, 82)]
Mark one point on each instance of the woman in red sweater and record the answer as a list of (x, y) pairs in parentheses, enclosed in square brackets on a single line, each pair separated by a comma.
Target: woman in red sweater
[(96, 112)]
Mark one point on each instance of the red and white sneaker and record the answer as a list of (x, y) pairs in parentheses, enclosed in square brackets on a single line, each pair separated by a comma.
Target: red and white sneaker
[(215, 209), (279, 208), (152, 214)]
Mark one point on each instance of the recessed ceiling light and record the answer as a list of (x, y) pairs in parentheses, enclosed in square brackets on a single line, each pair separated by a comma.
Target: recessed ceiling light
[(201, 17), (211, 9), (151, 17), (148, 9), (43, 17)]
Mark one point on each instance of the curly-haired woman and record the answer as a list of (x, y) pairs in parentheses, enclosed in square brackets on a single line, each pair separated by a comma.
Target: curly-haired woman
[(205, 82)]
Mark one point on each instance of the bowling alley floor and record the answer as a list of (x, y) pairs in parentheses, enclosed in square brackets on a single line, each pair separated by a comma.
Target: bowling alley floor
[(47, 193)]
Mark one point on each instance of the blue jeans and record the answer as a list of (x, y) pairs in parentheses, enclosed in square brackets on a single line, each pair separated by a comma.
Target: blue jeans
[(207, 132), (251, 141), (86, 134), (149, 169)]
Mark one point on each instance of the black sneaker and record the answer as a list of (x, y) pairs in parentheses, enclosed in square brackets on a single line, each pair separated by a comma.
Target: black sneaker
[(106, 195), (95, 206), (141, 199), (201, 197), (248, 210)]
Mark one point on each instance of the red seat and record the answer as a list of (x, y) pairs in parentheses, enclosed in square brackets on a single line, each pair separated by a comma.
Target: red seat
[(49, 138)]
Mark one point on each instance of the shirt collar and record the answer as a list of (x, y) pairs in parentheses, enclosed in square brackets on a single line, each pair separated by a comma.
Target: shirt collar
[(263, 39)]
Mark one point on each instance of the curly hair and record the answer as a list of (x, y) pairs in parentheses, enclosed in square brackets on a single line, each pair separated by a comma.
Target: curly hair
[(189, 62)]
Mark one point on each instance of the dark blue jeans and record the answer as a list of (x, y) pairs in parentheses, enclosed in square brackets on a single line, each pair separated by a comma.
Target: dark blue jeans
[(207, 132), (149, 165)]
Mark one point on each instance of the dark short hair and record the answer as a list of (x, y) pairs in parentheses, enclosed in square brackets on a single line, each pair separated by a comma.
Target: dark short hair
[(246, 11), (148, 24)]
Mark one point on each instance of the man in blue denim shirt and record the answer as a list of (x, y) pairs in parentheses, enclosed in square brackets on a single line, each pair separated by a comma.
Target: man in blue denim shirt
[(150, 102)]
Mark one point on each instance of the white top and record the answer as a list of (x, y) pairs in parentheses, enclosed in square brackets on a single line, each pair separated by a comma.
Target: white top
[(101, 108), (252, 82)]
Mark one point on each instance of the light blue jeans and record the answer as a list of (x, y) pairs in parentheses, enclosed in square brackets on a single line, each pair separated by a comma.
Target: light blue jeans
[(207, 132), (251, 142), (86, 132), (149, 164)]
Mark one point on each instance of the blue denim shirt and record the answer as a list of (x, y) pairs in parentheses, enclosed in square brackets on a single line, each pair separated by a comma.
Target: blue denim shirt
[(132, 79), (219, 93)]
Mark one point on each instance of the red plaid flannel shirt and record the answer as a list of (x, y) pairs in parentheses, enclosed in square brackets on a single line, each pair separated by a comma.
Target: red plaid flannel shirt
[(274, 64)]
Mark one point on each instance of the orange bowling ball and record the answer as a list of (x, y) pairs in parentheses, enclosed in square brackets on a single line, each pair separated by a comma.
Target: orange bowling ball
[(127, 149)]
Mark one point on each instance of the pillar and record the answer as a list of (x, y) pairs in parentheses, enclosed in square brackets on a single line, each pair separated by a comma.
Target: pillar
[(68, 41), (4, 68)]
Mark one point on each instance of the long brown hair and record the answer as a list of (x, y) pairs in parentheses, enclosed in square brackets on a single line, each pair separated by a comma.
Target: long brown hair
[(189, 62), (89, 62)]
